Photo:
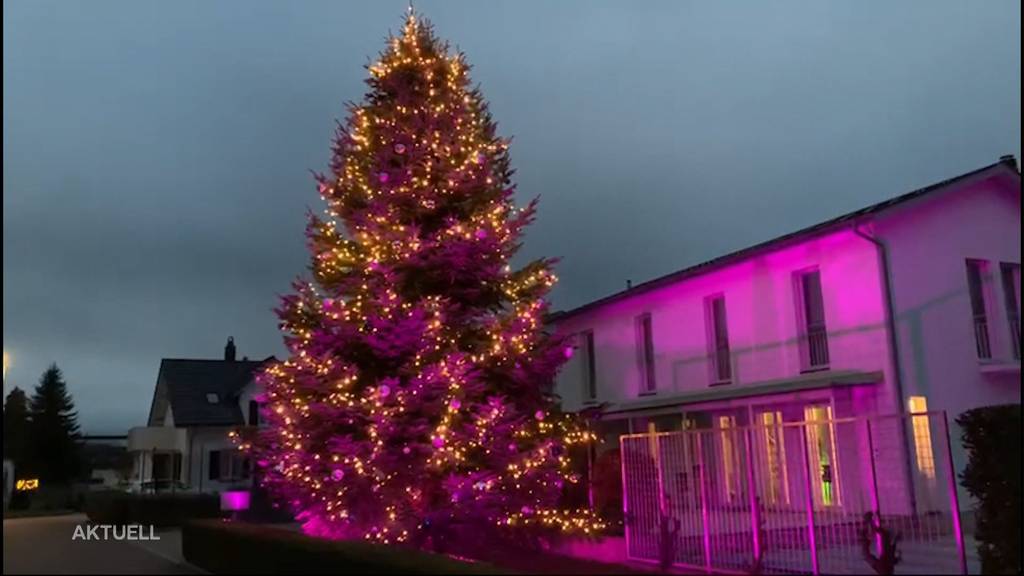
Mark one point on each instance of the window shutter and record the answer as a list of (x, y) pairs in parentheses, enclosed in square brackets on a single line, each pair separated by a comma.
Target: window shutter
[(254, 413), (214, 465)]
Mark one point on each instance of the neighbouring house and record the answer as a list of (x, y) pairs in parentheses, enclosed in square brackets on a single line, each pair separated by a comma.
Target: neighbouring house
[(196, 404), (907, 306)]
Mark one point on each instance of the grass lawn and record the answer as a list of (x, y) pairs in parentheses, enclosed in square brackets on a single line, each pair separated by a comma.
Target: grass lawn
[(540, 562), (229, 547)]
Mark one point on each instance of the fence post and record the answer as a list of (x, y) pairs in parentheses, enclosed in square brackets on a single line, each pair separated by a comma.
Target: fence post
[(704, 513), (809, 502), (875, 506), (755, 510), (954, 499), (625, 494)]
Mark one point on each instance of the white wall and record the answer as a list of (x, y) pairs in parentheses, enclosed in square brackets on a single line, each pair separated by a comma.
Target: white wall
[(762, 323), (202, 441), (929, 242)]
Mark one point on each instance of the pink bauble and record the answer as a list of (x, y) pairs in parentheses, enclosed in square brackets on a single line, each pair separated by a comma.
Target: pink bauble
[(406, 450), (568, 351), (383, 177), (399, 148), (539, 415), (338, 474), (384, 390), (456, 404), (438, 442)]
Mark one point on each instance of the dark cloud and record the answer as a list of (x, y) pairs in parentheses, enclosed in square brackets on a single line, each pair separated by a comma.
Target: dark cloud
[(156, 154)]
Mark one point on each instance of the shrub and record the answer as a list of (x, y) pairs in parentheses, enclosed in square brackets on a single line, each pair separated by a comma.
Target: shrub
[(157, 510), (991, 436), (607, 487), (233, 548)]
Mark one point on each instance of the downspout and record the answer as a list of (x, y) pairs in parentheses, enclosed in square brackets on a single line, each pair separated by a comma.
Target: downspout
[(191, 456), (883, 258)]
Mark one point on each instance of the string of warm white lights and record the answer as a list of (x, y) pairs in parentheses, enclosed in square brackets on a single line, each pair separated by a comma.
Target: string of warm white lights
[(418, 392)]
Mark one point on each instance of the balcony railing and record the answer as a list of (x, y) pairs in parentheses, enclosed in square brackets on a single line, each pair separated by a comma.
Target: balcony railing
[(981, 338), (817, 346)]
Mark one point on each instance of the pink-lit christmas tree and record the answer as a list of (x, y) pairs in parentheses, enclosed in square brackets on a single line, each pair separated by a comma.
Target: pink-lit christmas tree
[(417, 401)]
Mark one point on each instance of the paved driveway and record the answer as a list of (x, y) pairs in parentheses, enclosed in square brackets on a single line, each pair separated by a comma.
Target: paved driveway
[(44, 546)]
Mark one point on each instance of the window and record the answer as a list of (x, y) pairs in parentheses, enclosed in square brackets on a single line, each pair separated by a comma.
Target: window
[(821, 447), (922, 436), (254, 413), (814, 340), (589, 367), (718, 340), (214, 467), (774, 446), (730, 441), (645, 354), (228, 465), (976, 287), (1011, 290)]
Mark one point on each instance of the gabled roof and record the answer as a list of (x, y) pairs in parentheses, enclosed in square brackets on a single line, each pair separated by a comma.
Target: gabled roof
[(1005, 164), (188, 384)]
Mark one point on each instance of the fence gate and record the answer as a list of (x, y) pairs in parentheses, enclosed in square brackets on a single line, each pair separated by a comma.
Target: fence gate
[(818, 496)]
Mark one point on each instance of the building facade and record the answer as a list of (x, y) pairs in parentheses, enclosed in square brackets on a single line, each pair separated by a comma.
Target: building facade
[(904, 307), (185, 444)]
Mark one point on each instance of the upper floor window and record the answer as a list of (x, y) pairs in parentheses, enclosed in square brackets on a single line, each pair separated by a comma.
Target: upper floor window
[(645, 353), (227, 466), (718, 340), (811, 309), (1011, 290), (976, 272), (589, 368)]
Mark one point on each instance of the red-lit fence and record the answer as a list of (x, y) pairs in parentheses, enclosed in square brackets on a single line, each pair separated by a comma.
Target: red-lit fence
[(802, 497)]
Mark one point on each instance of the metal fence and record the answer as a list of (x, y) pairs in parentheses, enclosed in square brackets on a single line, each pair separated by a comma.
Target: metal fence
[(795, 497)]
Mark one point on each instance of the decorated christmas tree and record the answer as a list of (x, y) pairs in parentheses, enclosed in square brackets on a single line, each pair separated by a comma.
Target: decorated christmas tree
[(417, 401)]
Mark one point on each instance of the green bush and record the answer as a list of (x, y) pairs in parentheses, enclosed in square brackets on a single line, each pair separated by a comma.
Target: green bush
[(224, 547), (991, 436), (159, 510)]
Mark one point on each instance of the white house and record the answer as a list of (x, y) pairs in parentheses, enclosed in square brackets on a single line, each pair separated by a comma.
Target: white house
[(906, 306), (185, 443)]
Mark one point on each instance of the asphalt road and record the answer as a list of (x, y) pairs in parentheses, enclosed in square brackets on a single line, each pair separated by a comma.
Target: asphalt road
[(45, 546)]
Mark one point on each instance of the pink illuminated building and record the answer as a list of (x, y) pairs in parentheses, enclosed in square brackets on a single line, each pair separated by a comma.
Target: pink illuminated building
[(906, 306)]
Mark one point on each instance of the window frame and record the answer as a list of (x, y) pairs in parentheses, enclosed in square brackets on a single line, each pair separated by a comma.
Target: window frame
[(814, 356), (588, 369), (645, 354), (1010, 277), (979, 300), (715, 340)]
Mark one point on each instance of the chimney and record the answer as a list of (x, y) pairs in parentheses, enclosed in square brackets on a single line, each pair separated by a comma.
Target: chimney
[(1009, 159), (229, 349), (629, 284)]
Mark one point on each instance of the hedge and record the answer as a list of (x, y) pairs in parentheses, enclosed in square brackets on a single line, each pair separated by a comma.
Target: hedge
[(992, 437), (160, 510), (222, 547)]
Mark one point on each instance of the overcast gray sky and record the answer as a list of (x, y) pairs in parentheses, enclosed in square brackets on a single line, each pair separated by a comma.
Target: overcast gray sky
[(157, 154)]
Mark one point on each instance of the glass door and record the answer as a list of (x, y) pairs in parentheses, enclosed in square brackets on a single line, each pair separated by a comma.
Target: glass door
[(821, 450)]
